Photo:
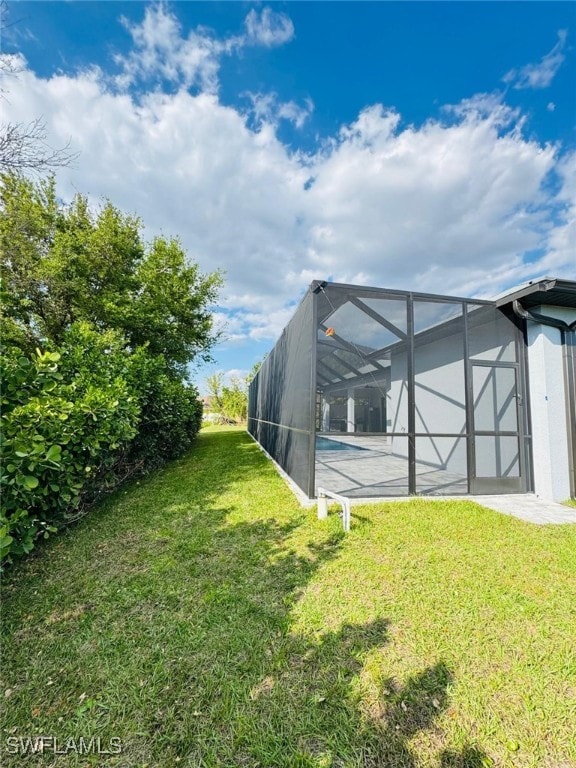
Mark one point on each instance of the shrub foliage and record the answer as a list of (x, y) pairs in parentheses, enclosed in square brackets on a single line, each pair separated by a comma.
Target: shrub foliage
[(97, 332)]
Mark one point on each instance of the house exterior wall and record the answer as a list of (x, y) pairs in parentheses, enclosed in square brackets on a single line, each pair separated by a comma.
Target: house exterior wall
[(440, 404), (440, 413), (548, 397)]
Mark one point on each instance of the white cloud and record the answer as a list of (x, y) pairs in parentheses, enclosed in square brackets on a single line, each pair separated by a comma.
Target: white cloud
[(266, 108), (560, 251), (427, 208), (485, 106), (539, 75), (161, 51), (451, 206), (238, 326), (269, 28)]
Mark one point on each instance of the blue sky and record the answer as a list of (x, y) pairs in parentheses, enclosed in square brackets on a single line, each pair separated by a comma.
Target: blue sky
[(421, 145)]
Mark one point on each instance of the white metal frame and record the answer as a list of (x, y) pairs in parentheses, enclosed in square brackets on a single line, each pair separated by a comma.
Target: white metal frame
[(344, 501)]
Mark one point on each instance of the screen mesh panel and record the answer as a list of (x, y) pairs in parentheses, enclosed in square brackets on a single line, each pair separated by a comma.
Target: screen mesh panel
[(374, 392), (280, 415)]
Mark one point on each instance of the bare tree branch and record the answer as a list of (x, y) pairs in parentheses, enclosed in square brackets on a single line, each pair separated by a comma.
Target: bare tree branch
[(8, 68), (23, 146)]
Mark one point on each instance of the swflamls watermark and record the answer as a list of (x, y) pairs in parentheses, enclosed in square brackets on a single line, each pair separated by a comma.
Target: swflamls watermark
[(81, 745)]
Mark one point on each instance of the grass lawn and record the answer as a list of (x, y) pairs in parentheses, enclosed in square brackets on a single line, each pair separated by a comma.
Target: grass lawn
[(204, 619)]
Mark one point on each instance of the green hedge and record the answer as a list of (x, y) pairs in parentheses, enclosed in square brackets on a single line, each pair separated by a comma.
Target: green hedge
[(78, 420), (115, 322)]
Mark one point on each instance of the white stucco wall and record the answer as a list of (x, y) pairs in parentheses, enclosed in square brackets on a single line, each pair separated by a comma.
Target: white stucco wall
[(548, 406), (439, 400)]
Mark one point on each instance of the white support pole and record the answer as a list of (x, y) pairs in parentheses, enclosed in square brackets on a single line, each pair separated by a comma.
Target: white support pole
[(322, 506), (350, 412), (325, 415), (346, 515)]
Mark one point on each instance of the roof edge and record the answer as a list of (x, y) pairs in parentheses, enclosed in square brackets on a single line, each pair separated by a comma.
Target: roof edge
[(558, 291)]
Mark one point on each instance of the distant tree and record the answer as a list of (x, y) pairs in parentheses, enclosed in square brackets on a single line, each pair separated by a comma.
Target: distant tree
[(214, 389), (231, 400), (255, 368), (235, 399)]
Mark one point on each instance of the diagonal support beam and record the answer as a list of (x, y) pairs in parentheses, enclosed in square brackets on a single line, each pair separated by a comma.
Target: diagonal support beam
[(332, 371), (378, 318), (351, 348)]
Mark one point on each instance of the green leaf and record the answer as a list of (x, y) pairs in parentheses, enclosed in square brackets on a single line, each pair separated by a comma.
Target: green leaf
[(30, 482), (54, 453)]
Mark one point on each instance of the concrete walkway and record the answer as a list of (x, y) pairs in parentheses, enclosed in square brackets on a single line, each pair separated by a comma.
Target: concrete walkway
[(525, 506), (529, 507)]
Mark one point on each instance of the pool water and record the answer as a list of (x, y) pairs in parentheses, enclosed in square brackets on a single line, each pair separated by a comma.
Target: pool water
[(325, 444)]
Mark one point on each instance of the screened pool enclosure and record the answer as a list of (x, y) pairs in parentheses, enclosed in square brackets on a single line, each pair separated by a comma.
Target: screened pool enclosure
[(372, 392)]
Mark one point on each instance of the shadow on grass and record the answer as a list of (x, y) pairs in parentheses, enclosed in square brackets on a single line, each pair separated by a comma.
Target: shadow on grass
[(187, 647), (470, 757)]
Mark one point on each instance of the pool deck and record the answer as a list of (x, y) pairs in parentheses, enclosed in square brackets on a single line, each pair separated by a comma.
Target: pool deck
[(373, 475), (525, 506), (374, 471)]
